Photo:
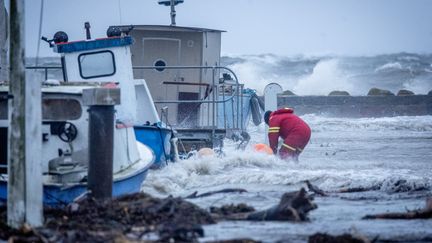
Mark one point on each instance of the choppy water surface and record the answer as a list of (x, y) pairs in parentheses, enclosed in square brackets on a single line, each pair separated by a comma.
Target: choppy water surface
[(393, 154), (322, 74)]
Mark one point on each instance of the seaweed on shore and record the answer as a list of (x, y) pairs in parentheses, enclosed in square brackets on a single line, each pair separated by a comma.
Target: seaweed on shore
[(131, 217), (141, 217)]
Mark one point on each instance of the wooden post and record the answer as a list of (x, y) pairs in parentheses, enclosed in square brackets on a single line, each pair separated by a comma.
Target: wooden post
[(3, 42), (101, 139), (25, 190), (271, 91)]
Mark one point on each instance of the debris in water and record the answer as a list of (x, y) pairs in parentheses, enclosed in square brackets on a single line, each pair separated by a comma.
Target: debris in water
[(345, 238), (293, 206), (142, 217), (235, 241), (206, 194), (315, 189), (425, 213), (359, 189), (231, 211)]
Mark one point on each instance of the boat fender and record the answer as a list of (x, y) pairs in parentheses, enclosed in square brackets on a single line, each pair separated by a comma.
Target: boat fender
[(255, 110), (260, 101), (263, 148), (205, 152), (174, 149)]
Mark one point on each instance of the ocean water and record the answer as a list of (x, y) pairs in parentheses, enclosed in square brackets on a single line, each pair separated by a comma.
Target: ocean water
[(393, 154), (320, 75), (308, 75)]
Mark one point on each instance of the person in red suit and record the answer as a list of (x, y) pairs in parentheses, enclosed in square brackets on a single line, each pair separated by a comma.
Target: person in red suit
[(291, 128)]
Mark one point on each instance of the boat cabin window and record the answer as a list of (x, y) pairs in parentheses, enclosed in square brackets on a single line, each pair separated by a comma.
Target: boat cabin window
[(61, 109), (3, 109), (3, 149), (96, 64), (160, 64)]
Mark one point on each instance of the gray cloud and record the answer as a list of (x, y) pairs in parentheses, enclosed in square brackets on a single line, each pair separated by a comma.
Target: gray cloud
[(345, 27)]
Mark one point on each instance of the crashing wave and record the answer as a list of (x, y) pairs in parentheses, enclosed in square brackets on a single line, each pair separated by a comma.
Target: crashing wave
[(389, 66)]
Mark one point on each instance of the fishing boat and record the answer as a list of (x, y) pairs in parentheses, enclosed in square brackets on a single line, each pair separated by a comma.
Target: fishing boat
[(87, 64), (198, 102)]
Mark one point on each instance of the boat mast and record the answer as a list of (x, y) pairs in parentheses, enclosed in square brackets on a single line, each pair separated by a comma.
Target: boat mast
[(25, 192), (173, 13), (172, 4)]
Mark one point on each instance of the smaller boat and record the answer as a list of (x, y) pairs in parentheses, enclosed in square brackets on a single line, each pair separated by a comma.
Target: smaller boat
[(203, 101), (86, 64)]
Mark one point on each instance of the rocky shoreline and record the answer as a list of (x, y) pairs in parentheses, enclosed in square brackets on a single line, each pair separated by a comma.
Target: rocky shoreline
[(143, 218)]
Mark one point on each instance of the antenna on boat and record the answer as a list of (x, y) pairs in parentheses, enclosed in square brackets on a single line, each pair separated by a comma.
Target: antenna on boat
[(171, 3), (87, 28)]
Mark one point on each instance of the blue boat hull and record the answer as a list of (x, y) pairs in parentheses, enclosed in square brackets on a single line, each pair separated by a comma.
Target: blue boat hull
[(59, 194), (158, 139)]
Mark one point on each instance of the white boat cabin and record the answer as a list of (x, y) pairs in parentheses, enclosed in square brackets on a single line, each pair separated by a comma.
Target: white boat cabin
[(88, 64), (197, 49)]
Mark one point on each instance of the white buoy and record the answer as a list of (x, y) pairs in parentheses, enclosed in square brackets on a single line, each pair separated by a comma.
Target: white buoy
[(205, 152)]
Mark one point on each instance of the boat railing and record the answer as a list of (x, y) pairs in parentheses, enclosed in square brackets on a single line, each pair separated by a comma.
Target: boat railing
[(44, 68), (233, 98), (218, 87)]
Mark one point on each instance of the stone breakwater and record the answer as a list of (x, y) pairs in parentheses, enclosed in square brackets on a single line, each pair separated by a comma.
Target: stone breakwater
[(359, 106)]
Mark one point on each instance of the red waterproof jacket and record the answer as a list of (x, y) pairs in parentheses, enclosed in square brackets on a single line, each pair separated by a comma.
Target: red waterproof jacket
[(292, 129)]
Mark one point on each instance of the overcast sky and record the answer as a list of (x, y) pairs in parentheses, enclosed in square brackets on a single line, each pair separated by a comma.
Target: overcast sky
[(283, 27)]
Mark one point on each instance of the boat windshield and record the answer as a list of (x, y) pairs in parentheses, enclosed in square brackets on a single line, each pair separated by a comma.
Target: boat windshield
[(96, 64), (61, 109)]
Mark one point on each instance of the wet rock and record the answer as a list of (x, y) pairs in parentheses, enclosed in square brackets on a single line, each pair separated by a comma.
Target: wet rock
[(404, 92), (379, 92), (232, 209), (339, 93), (326, 238), (288, 92), (235, 241), (180, 232)]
